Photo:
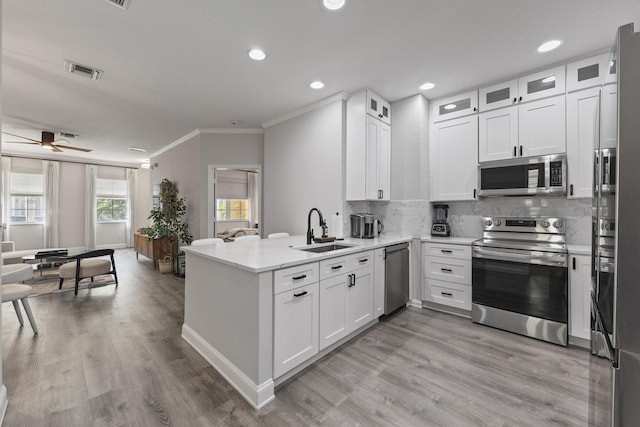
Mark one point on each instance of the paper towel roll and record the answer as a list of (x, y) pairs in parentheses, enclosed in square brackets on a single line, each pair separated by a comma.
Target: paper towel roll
[(337, 226)]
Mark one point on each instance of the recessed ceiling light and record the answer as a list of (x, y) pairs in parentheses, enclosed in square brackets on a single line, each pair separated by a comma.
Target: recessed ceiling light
[(450, 106), (333, 4), (257, 54), (138, 149), (316, 85), (427, 86), (548, 46)]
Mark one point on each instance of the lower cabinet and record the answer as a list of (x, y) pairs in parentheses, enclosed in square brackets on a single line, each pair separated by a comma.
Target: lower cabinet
[(378, 282), (447, 274), (295, 330), (580, 296)]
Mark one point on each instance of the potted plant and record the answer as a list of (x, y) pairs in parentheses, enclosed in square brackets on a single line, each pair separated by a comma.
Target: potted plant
[(168, 221)]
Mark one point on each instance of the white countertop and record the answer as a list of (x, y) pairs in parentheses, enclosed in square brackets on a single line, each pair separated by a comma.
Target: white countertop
[(262, 255), (450, 240)]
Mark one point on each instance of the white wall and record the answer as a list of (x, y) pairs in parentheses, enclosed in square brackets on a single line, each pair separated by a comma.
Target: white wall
[(303, 169), (143, 203), (71, 205), (111, 235)]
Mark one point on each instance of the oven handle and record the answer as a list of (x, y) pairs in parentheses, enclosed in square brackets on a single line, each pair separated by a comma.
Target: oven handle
[(535, 257)]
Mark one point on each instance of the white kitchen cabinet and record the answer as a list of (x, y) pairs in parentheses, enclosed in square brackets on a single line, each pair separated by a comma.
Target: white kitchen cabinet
[(378, 282), (460, 105), (368, 152), (378, 107), (541, 127), (498, 134), (582, 138), (609, 116), (334, 309), (295, 327), (453, 159), (499, 95), (447, 274), (542, 84), (361, 298), (590, 72), (580, 296)]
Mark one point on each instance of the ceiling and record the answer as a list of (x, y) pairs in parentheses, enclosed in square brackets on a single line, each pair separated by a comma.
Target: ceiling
[(172, 67)]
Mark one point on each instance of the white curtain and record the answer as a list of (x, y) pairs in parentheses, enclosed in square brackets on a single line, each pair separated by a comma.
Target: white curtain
[(253, 187), (51, 174), (132, 176), (90, 208), (6, 197)]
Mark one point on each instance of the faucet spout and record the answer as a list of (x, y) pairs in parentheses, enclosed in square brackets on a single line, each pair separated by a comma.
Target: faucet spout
[(323, 224)]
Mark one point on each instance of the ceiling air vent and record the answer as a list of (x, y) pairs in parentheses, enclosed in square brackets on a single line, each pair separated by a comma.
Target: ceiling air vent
[(83, 70), (68, 135), (122, 4)]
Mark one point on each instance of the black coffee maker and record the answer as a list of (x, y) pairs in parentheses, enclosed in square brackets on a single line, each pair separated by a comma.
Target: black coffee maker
[(440, 227)]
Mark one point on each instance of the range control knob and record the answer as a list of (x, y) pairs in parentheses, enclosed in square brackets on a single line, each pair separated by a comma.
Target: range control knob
[(488, 223), (546, 224), (497, 222), (557, 224)]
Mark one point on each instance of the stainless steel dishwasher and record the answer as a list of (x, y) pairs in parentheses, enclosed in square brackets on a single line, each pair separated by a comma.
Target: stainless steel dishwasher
[(396, 277)]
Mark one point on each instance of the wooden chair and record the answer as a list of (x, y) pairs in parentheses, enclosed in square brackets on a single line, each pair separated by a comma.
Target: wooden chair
[(86, 266)]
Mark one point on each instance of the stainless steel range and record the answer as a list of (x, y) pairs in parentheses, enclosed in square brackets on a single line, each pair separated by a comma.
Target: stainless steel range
[(520, 277)]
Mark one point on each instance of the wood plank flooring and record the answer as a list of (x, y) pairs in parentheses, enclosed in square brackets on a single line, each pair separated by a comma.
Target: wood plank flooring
[(114, 357)]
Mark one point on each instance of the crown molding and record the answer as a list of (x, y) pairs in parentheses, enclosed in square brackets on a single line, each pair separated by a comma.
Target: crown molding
[(232, 131), (340, 96)]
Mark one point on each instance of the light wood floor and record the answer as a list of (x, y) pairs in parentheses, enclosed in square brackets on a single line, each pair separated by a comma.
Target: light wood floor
[(114, 357)]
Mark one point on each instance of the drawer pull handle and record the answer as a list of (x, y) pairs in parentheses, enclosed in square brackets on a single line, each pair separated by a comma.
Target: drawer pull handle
[(447, 270), (446, 251), (300, 294), (352, 280), (447, 294), (336, 267), (363, 260), (302, 276)]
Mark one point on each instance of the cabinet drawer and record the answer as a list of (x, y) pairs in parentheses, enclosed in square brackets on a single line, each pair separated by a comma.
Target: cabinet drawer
[(361, 260), (445, 250), (449, 269), (448, 293), (334, 267), (293, 277)]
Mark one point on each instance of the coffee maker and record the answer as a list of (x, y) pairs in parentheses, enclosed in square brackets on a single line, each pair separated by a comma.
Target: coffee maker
[(440, 226)]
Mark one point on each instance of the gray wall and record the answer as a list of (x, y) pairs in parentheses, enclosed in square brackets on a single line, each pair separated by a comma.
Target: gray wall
[(303, 168)]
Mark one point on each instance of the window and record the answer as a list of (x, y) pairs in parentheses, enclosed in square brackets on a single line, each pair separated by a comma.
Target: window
[(27, 198), (111, 200), (232, 210)]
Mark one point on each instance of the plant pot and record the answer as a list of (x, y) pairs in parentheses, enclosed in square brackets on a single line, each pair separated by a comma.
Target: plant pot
[(165, 265)]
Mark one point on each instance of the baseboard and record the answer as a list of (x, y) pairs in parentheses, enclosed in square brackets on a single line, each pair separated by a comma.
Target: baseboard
[(414, 303), (257, 395), (3, 403), (579, 342), (446, 309)]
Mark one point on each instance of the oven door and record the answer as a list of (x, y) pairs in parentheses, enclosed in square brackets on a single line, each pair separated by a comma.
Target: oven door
[(531, 283)]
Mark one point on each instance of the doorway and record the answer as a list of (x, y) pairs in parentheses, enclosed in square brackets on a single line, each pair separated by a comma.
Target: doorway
[(234, 198)]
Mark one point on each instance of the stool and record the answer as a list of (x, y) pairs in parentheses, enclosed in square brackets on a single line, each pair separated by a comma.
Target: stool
[(14, 292), (87, 265), (16, 273)]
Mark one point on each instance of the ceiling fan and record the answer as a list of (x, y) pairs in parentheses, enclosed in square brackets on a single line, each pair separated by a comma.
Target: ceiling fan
[(47, 141)]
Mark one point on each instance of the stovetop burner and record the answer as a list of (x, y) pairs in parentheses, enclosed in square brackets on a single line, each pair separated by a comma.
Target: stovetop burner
[(543, 234)]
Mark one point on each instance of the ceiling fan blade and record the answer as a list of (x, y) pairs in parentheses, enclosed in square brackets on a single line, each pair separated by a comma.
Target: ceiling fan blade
[(22, 142), (20, 136), (86, 150)]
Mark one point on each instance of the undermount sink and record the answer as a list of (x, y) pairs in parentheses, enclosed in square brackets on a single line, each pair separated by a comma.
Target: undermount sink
[(325, 248)]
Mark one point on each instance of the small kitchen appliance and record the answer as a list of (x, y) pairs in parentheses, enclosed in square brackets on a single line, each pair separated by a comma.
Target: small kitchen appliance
[(440, 226), (365, 226)]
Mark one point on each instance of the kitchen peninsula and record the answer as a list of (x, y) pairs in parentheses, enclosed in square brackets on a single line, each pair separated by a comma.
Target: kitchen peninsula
[(263, 310)]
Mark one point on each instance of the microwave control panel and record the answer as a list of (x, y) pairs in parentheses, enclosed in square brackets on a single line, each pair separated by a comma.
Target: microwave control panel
[(556, 174)]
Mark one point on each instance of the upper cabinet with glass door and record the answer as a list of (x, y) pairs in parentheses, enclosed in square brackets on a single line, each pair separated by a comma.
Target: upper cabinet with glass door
[(590, 72), (378, 107), (455, 106)]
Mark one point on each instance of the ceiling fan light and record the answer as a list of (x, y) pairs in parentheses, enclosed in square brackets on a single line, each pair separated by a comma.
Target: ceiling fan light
[(333, 4)]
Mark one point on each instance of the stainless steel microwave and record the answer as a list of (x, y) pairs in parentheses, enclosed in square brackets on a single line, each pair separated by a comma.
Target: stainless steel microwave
[(527, 176)]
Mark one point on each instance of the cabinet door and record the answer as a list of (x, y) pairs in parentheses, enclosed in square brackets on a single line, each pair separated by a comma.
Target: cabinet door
[(378, 107), (455, 106), (542, 127), (378, 280), (580, 296), (590, 72), (454, 159), (334, 322), (372, 191), (498, 96), (609, 114), (384, 162), (542, 84), (295, 327), (498, 134), (582, 138), (361, 298)]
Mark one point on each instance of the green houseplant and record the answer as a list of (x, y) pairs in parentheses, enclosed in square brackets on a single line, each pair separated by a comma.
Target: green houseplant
[(168, 218)]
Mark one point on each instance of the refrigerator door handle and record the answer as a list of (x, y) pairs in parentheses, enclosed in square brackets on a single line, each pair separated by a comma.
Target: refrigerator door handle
[(611, 351)]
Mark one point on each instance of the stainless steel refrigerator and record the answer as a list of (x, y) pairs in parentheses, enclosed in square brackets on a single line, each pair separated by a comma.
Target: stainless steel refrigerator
[(615, 319)]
